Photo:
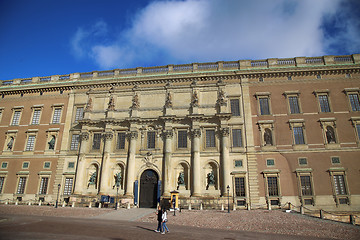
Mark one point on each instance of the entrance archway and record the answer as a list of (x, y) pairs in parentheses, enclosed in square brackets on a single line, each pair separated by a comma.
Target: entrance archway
[(148, 189)]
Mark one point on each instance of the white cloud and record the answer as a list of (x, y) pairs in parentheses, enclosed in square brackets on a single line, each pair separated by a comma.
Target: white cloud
[(213, 30)]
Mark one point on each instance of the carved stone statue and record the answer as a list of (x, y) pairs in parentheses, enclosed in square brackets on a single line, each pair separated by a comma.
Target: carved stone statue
[(118, 178), (211, 178), (221, 98), (195, 100), (88, 107), (135, 102), (168, 101), (10, 144), (111, 106), (330, 135), (268, 137), (92, 180), (181, 179), (52, 143)]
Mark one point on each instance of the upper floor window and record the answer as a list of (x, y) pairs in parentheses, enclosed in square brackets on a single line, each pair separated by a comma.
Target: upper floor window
[(96, 141), (30, 143), (294, 104), (79, 114), (210, 138), (2, 181), (56, 115), (68, 185), (324, 103), (235, 107), (305, 182), (298, 135), (358, 130), (121, 140), (240, 187), (36, 116), (182, 139), (16, 117), (264, 106), (237, 138), (74, 142), (339, 184), (150, 139), (353, 95), (21, 185), (273, 188), (43, 185)]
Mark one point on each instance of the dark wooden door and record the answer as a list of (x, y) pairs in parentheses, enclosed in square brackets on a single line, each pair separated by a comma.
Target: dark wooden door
[(148, 189)]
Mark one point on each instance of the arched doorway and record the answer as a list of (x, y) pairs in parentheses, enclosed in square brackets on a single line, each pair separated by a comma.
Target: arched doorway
[(148, 189)]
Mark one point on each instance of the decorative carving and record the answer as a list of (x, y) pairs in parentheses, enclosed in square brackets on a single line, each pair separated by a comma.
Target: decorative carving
[(149, 160), (196, 133), (93, 178), (118, 180), (10, 144), (108, 135), (330, 135), (88, 107), (211, 178), (181, 179), (195, 99), (168, 133), (225, 132), (168, 101), (135, 102), (84, 136), (111, 105), (221, 98), (133, 135), (268, 137), (52, 143)]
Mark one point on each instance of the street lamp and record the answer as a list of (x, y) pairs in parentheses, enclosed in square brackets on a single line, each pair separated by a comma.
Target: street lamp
[(57, 198), (228, 191), (117, 194)]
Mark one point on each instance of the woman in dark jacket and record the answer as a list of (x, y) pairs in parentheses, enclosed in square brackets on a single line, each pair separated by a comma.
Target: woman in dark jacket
[(159, 219)]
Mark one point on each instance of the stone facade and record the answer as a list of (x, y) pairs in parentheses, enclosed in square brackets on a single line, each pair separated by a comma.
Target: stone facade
[(260, 133)]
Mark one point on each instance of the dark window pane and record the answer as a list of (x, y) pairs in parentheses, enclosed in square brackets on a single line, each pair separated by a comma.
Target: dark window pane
[(354, 102), (324, 103), (294, 104), (306, 185), (210, 138), (151, 140), (182, 139), (121, 140), (273, 186), (235, 108), (240, 186), (299, 135), (96, 141), (264, 106), (237, 138)]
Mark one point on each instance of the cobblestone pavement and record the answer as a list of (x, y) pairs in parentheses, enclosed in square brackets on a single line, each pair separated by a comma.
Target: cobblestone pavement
[(261, 221)]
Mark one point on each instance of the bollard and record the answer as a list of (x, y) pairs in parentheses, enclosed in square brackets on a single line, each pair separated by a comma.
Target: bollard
[(201, 206), (117, 205), (6, 203), (63, 204), (90, 205), (269, 205), (302, 210), (128, 206), (248, 207), (29, 203), (73, 204), (16, 203), (289, 205), (321, 214), (234, 207), (352, 220), (40, 202), (99, 205), (189, 206), (222, 207)]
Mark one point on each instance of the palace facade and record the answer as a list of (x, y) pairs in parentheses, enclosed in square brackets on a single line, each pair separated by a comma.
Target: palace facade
[(261, 132)]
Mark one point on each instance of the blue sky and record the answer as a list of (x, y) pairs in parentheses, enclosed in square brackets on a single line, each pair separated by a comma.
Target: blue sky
[(50, 37)]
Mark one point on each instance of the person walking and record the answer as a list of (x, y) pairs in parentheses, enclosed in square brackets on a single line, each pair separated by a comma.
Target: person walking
[(159, 218), (164, 220)]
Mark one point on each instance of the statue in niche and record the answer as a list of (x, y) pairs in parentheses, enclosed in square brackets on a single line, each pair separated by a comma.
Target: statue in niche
[(211, 178), (268, 137), (221, 98), (52, 143), (330, 135), (118, 178), (181, 178), (92, 180), (195, 99), (88, 107), (168, 102), (10, 144), (111, 105), (135, 102)]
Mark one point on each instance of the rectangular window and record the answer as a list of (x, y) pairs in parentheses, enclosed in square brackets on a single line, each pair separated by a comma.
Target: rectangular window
[(235, 107), (294, 104), (47, 165), (264, 106), (358, 130), (237, 138), (151, 140), (182, 139), (302, 161), (68, 186), (74, 142), (4, 165), (324, 103), (71, 164), (121, 140), (96, 141), (240, 186), (79, 114), (30, 143), (298, 135), (273, 186), (43, 185), (36, 116), (57, 115), (210, 138), (2, 180), (21, 185), (238, 163), (25, 165), (270, 162), (16, 118), (339, 185), (354, 101), (305, 182), (335, 160)]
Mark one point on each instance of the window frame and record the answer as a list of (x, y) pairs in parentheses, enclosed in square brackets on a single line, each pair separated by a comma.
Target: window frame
[(18, 118), (2, 183), (304, 198), (236, 138), (322, 93), (121, 142), (36, 115), (269, 198), (56, 116), (235, 107), (263, 95), (294, 124), (74, 142), (182, 139), (43, 190), (339, 197), (68, 188), (356, 92), (291, 108), (96, 141), (30, 144), (78, 118), (21, 185), (210, 140), (151, 139)]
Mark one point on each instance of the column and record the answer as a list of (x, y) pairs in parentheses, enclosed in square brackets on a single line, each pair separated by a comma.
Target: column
[(225, 163), (130, 172), (168, 134), (195, 163), (105, 183), (81, 165)]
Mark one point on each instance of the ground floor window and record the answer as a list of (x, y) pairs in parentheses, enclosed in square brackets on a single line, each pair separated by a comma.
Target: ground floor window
[(273, 187), (68, 186), (240, 186), (43, 185), (21, 185), (2, 180), (305, 182)]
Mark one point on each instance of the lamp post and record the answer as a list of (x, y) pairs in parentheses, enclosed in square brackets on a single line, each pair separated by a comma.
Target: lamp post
[(57, 198), (117, 194), (228, 191)]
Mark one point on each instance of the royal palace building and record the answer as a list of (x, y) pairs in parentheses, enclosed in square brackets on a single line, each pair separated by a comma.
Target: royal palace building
[(257, 132)]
